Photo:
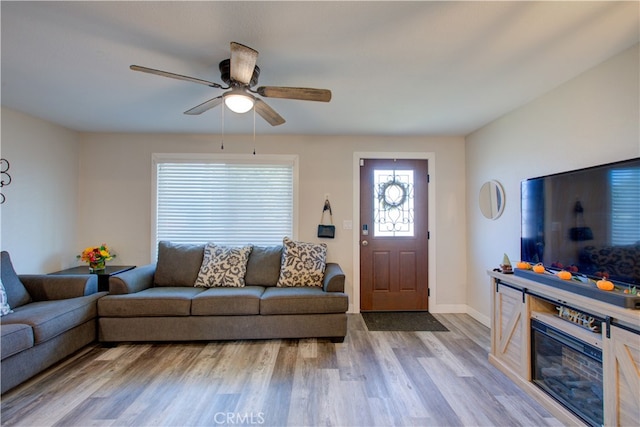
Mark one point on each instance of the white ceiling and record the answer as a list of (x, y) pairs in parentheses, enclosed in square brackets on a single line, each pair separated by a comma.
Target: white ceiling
[(395, 68)]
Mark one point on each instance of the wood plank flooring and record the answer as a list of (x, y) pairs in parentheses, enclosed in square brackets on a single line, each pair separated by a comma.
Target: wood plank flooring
[(372, 379)]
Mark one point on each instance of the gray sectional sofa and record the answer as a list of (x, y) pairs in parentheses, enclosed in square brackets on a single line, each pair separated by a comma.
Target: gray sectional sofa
[(159, 302), (51, 318)]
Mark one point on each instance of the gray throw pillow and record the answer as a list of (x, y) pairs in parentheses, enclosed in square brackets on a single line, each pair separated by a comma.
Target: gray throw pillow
[(17, 294), (178, 264)]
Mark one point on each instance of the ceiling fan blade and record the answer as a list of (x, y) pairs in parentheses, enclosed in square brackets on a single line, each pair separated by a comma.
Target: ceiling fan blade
[(268, 113), (205, 106), (303, 93), (243, 61), (175, 76)]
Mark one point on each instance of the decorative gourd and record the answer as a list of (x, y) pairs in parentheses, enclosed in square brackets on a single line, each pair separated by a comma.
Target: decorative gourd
[(605, 285), (538, 268), (523, 265), (564, 275)]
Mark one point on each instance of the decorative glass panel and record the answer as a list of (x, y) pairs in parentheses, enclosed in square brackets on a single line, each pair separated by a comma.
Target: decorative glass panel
[(393, 203)]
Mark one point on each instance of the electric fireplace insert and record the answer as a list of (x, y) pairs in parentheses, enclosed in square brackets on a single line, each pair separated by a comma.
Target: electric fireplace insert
[(569, 370)]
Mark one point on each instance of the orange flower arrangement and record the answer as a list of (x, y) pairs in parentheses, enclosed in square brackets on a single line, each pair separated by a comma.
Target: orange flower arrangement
[(97, 256)]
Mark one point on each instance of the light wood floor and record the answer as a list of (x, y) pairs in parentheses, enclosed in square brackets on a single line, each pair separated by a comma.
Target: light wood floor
[(372, 379)]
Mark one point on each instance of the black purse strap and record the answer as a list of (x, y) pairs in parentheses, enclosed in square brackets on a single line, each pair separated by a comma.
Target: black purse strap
[(327, 207)]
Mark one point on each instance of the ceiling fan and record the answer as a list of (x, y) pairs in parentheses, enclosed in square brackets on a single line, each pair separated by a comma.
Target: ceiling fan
[(241, 73)]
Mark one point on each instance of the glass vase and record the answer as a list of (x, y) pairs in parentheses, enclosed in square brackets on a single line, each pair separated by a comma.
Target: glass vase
[(97, 267)]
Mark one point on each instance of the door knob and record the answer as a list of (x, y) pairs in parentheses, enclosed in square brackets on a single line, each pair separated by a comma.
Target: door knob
[(365, 243)]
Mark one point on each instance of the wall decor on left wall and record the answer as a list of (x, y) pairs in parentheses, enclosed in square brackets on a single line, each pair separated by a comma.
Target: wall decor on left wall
[(5, 178)]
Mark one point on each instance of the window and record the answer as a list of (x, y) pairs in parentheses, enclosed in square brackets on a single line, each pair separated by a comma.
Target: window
[(394, 203), (625, 205), (229, 200)]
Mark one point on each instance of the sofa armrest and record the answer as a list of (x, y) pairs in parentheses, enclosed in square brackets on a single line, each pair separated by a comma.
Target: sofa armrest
[(333, 278), (44, 287), (132, 281)]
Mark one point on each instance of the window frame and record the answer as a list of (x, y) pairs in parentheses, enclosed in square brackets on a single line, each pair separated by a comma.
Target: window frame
[(246, 159)]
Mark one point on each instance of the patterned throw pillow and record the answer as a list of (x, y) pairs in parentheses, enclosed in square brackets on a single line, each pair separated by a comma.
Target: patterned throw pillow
[(223, 266), (4, 301), (302, 264)]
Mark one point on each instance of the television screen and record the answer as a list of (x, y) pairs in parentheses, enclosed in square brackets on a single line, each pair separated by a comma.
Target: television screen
[(586, 221)]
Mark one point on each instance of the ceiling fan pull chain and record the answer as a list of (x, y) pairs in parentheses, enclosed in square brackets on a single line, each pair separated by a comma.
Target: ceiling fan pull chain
[(254, 131), (222, 126)]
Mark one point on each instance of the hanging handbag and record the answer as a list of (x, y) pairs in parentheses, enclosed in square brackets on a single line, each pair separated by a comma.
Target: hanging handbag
[(326, 231)]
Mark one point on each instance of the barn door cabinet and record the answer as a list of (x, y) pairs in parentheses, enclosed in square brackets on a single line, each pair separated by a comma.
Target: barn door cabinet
[(621, 353), (509, 328), (516, 300)]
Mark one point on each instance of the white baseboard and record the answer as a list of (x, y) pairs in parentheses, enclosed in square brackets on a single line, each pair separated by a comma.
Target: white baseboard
[(485, 320), (447, 308)]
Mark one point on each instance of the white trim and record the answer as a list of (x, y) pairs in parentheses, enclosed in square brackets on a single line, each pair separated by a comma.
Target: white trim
[(431, 158), (290, 159), (485, 320), (449, 308)]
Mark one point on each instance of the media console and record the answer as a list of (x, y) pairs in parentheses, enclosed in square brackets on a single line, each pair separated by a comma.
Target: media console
[(576, 354)]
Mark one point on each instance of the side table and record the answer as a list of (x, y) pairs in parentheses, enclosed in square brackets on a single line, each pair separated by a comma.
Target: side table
[(103, 277)]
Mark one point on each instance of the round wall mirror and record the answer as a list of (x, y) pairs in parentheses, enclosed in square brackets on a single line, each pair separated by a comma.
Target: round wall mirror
[(491, 199)]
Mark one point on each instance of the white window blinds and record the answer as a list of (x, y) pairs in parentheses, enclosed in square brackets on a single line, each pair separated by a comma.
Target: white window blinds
[(625, 205), (228, 203)]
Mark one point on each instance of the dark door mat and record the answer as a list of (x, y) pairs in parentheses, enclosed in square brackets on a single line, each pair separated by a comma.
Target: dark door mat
[(401, 321)]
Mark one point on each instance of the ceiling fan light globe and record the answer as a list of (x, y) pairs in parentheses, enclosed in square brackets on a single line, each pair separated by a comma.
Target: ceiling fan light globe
[(238, 103)]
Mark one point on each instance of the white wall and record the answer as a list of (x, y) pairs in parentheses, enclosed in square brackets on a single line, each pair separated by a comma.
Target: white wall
[(115, 192), (71, 191), (40, 212), (590, 120)]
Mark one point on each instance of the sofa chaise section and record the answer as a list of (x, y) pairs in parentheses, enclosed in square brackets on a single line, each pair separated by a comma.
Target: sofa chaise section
[(51, 318)]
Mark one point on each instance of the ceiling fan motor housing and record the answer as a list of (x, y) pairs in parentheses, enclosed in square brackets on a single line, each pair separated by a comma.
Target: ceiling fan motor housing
[(225, 74)]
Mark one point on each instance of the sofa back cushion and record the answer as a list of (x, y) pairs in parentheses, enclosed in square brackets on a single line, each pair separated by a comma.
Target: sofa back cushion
[(178, 264), (17, 294), (263, 267)]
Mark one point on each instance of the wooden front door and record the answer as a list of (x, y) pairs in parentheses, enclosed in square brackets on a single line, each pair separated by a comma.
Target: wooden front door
[(393, 235)]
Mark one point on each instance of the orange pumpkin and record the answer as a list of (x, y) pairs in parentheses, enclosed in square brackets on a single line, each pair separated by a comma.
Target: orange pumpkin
[(538, 268), (605, 285), (523, 265), (564, 275)]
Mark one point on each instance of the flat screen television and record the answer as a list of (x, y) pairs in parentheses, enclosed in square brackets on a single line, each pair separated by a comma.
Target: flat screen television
[(586, 221)]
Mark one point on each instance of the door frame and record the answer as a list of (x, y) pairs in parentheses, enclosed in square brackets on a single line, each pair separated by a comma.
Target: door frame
[(431, 212)]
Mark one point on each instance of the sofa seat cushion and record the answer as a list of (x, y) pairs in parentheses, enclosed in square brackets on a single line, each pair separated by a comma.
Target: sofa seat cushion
[(52, 318), (16, 337), (302, 300), (227, 301), (161, 301)]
